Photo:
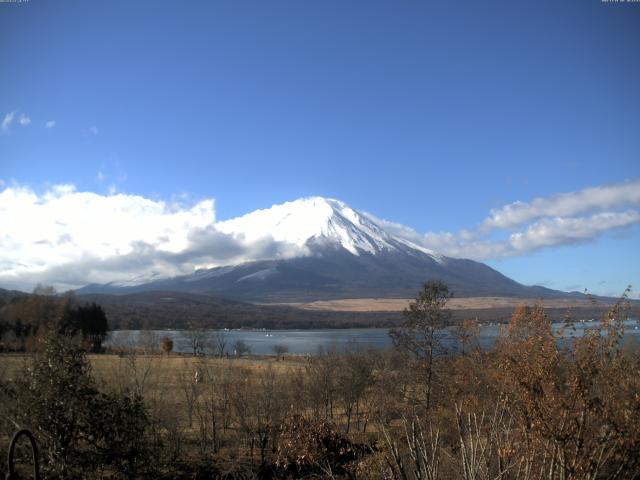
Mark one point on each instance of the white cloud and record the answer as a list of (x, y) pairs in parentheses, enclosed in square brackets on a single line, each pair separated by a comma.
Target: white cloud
[(50, 124), (541, 223), (566, 204), (464, 244), (558, 231), (69, 238), (7, 121), (63, 227), (10, 117)]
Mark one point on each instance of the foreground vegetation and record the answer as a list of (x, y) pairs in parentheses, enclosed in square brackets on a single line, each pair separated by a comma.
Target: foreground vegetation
[(526, 410)]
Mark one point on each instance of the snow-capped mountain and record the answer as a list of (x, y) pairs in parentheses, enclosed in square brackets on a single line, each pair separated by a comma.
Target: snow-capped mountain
[(318, 221), (335, 252)]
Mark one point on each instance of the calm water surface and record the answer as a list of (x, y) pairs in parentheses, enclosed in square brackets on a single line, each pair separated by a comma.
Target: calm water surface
[(305, 342)]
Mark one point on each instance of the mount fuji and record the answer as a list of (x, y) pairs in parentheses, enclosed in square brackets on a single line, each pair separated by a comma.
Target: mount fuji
[(333, 252)]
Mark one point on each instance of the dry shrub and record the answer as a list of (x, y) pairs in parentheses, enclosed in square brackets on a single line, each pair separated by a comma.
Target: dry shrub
[(577, 411), (309, 447)]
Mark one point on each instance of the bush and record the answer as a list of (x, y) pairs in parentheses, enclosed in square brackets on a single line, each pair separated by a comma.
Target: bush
[(313, 447), (79, 428), (166, 344)]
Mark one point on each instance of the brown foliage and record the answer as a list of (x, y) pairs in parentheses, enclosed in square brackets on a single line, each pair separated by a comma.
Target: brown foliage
[(577, 410), (310, 446), (166, 344)]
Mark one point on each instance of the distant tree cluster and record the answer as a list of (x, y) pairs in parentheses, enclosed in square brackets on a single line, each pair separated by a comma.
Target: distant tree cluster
[(26, 318), (89, 321)]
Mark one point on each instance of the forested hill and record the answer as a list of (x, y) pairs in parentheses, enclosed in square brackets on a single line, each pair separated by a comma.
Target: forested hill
[(185, 310)]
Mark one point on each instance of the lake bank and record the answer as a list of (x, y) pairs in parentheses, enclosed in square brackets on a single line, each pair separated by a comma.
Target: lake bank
[(309, 342)]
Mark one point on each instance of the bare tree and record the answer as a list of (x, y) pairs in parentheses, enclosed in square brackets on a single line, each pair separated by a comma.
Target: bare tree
[(321, 374), (189, 386), (414, 456), (219, 343), (197, 338), (354, 376), (241, 348), (260, 406), (280, 349), (213, 409), (148, 342), (466, 333), (486, 450)]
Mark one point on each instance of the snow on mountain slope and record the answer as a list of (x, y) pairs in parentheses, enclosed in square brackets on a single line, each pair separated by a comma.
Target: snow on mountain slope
[(317, 220)]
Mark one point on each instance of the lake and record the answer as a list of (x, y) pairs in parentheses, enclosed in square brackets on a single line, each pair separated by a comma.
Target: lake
[(305, 342)]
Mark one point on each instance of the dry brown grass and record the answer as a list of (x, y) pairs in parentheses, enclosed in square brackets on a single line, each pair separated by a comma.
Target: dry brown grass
[(399, 304), (172, 366)]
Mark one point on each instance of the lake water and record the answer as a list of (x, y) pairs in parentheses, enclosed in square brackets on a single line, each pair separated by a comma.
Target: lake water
[(305, 342)]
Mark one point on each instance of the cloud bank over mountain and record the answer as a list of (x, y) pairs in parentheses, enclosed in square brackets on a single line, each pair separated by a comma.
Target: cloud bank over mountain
[(556, 220), (71, 238)]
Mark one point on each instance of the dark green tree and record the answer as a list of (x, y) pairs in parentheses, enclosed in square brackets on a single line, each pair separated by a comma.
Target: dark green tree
[(88, 320)]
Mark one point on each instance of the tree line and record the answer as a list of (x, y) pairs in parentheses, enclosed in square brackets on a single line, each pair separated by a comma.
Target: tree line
[(26, 318)]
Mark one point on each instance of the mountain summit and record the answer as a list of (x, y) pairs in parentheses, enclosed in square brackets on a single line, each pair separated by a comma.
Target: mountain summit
[(338, 252), (318, 222)]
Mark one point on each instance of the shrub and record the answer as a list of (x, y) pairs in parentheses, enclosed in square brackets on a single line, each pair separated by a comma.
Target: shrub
[(80, 428), (166, 344), (313, 447)]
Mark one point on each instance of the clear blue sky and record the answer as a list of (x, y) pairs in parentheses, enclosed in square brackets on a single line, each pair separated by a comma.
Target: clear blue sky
[(422, 112)]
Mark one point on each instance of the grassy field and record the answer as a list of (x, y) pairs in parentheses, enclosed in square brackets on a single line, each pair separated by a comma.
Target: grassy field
[(399, 304), (175, 398), (163, 372)]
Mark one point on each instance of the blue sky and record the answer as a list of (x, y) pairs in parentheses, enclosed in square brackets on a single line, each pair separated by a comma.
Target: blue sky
[(429, 114)]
